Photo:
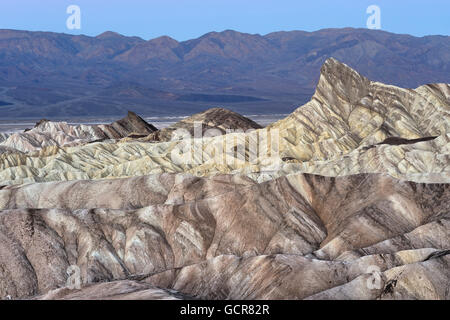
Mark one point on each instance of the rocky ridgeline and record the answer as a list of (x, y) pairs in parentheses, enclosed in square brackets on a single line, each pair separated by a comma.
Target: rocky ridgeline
[(346, 198)]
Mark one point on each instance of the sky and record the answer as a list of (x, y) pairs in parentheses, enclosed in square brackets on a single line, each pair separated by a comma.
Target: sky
[(187, 19)]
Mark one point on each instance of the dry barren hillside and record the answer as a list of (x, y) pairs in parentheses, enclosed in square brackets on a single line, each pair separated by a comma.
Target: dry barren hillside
[(346, 128), (346, 198)]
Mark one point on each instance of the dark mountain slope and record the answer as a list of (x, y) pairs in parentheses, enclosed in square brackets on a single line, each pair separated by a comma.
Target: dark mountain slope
[(46, 74)]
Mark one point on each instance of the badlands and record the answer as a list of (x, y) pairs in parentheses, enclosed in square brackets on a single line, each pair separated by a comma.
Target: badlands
[(346, 198)]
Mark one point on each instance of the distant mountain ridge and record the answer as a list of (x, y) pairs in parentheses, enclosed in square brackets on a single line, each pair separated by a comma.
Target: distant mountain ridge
[(45, 74)]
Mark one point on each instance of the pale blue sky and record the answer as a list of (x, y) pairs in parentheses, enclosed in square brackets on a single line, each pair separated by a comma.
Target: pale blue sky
[(186, 19)]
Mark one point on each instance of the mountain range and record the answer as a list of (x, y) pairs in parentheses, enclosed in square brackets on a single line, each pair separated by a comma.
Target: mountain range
[(53, 75)]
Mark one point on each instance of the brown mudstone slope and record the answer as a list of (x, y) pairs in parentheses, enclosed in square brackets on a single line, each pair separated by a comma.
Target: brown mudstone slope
[(312, 236), (217, 121), (350, 199)]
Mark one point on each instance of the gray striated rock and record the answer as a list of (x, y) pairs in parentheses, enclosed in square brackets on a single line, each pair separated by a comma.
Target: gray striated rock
[(47, 133), (114, 290), (191, 234), (217, 121)]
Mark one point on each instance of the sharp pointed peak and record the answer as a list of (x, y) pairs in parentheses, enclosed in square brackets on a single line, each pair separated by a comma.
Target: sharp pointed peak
[(333, 62), (333, 66)]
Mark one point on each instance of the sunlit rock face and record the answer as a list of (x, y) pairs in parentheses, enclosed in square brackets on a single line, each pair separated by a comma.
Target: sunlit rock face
[(348, 111), (346, 198)]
